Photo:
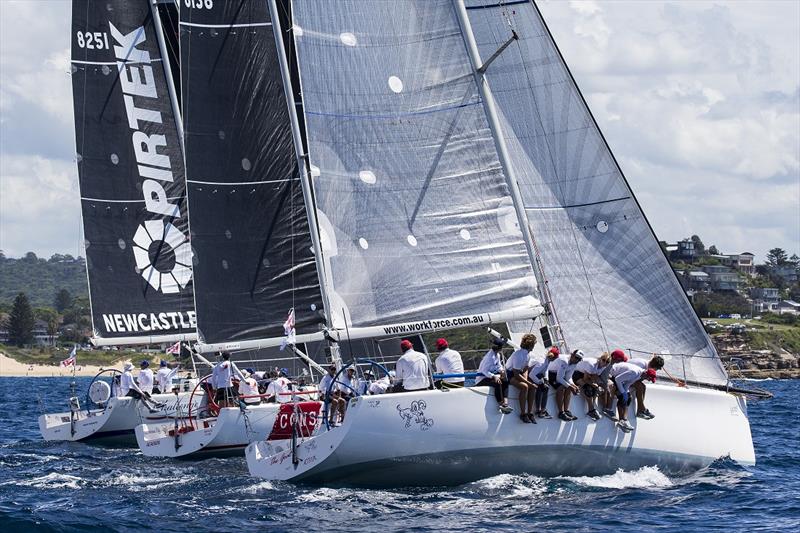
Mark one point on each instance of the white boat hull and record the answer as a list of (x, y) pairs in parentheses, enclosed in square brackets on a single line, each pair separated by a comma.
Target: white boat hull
[(459, 436), (117, 421), (226, 434)]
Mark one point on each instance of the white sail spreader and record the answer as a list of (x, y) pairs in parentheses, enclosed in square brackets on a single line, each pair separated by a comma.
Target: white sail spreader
[(610, 283), (415, 215)]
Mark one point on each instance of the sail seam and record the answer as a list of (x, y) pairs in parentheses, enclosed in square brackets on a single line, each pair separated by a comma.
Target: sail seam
[(393, 115), (248, 25), (124, 201), (125, 61), (548, 208), (200, 182)]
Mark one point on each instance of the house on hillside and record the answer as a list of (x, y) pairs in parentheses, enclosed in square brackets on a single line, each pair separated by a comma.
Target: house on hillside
[(743, 262), (789, 307), (694, 281), (765, 299), (723, 278), (686, 250), (788, 273)]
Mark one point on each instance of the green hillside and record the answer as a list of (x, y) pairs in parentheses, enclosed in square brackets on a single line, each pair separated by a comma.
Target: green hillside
[(41, 278)]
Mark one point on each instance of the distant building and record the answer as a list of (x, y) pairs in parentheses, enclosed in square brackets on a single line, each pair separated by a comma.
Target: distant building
[(789, 307), (723, 278), (742, 262), (686, 250), (771, 294), (694, 281)]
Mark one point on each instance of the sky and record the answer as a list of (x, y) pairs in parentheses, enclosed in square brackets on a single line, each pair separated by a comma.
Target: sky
[(699, 101)]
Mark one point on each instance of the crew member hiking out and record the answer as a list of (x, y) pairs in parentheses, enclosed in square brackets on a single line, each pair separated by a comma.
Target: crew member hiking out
[(587, 377), (559, 372), (491, 373), (624, 376), (640, 389), (518, 370)]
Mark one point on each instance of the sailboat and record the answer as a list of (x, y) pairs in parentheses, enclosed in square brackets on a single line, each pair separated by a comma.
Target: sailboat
[(128, 135), (250, 235), (455, 177)]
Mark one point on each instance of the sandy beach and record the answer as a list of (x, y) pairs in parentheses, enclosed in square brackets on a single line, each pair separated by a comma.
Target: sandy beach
[(11, 368)]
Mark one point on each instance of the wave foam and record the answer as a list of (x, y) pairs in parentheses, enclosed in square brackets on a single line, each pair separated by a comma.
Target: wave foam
[(513, 486), (53, 480), (644, 478), (256, 488)]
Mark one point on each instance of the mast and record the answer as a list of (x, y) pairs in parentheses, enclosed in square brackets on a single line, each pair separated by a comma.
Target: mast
[(479, 71), (302, 161), (173, 96)]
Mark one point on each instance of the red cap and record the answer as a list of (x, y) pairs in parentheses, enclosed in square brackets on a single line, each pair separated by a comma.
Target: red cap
[(441, 344), (554, 351), (619, 356), (651, 374), (405, 344)]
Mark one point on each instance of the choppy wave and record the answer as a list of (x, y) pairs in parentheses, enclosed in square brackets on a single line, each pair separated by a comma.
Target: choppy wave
[(644, 478)]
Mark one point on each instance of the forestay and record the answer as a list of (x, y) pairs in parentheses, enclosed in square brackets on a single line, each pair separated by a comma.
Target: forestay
[(415, 216), (611, 285), (131, 176), (253, 256)]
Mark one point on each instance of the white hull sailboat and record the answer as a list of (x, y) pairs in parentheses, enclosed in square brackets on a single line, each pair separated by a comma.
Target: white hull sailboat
[(117, 419), (439, 438), (230, 431)]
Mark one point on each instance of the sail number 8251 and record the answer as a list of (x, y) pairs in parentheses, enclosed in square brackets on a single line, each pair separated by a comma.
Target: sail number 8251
[(199, 4), (93, 41)]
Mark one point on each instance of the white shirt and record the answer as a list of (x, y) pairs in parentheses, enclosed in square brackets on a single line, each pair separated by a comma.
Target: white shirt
[(518, 360), (449, 362), (562, 369), (639, 362), (588, 365), (221, 375), (146, 380), (347, 385), (126, 383), (490, 366), (538, 365), (277, 386), (380, 386), (325, 382), (249, 387), (164, 377), (625, 375), (412, 368)]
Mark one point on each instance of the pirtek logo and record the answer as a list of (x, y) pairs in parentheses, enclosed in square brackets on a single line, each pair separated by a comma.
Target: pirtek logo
[(136, 79)]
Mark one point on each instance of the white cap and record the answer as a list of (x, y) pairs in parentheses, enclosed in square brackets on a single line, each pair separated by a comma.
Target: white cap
[(128, 366)]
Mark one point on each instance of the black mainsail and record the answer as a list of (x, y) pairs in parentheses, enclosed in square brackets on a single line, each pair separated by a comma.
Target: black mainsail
[(253, 252), (132, 184)]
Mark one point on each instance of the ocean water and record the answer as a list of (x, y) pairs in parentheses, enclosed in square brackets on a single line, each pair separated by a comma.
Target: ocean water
[(78, 487)]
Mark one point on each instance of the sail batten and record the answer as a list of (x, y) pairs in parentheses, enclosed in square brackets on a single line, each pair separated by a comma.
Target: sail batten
[(610, 284), (131, 176)]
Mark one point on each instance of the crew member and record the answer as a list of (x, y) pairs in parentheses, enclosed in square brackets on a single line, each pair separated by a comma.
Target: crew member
[(348, 383), (278, 387), (491, 372), (222, 381), (145, 378), (624, 376), (640, 389), (587, 377), (380, 386), (128, 386), (559, 372), (164, 377), (330, 394), (518, 370), (617, 356), (248, 388), (413, 370), (448, 362), (538, 368)]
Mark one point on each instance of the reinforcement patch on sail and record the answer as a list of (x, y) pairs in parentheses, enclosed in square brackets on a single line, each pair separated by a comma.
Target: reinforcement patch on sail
[(253, 259), (130, 168), (415, 216), (610, 283)]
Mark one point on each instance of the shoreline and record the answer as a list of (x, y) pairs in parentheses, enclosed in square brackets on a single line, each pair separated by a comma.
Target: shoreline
[(11, 368)]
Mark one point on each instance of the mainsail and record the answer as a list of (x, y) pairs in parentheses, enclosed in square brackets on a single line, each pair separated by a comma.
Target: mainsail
[(130, 167), (610, 283), (415, 215), (253, 253)]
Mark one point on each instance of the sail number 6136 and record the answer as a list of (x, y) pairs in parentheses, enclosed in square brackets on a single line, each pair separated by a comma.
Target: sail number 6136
[(199, 4), (93, 41)]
